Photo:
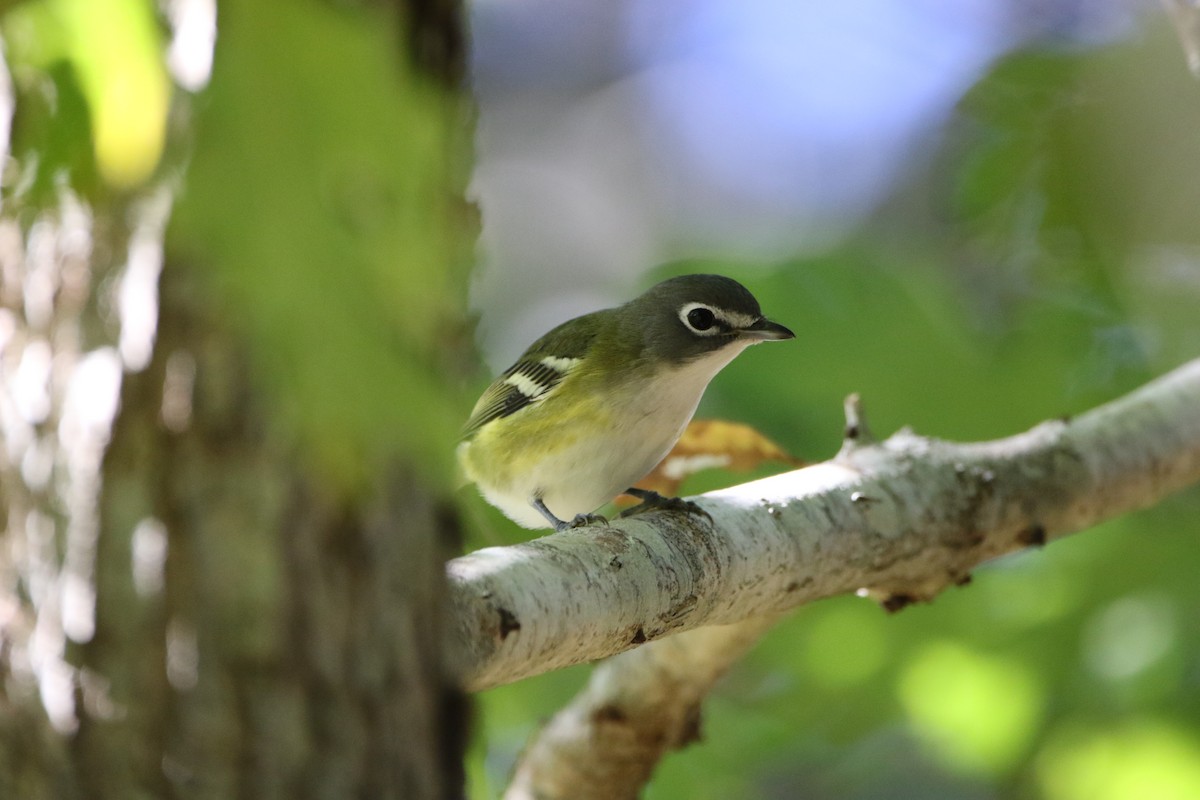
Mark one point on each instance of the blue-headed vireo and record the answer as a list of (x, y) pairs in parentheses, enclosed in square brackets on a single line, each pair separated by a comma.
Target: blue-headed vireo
[(591, 407)]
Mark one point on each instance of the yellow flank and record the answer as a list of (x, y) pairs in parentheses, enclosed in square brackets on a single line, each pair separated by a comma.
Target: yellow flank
[(512, 446)]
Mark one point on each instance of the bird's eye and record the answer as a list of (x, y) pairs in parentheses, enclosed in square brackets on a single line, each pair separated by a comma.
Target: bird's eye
[(700, 319)]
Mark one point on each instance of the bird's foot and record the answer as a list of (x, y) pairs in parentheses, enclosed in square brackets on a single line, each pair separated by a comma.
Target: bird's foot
[(653, 501), (580, 521)]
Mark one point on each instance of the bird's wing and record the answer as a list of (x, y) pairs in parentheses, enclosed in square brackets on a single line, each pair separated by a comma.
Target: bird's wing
[(535, 374)]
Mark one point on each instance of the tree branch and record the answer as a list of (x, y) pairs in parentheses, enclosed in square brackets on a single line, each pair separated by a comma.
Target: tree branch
[(899, 521), (636, 708)]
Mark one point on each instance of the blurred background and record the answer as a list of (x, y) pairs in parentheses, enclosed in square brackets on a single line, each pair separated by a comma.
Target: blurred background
[(977, 214)]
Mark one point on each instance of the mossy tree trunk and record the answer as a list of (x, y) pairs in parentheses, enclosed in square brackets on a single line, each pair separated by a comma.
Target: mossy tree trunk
[(237, 591), (293, 649)]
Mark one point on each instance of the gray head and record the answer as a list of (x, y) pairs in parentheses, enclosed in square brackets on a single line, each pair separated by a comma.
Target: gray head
[(686, 317)]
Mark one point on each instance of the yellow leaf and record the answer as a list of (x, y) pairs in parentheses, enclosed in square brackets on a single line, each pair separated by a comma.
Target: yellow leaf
[(116, 48), (714, 443)]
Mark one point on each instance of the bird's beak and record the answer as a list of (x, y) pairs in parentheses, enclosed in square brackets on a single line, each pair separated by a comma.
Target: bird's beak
[(764, 330)]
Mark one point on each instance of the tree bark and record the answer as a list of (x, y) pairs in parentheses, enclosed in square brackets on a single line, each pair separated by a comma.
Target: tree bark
[(898, 521), (287, 651), (191, 604)]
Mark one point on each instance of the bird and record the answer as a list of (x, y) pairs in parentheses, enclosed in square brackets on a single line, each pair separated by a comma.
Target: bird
[(595, 404)]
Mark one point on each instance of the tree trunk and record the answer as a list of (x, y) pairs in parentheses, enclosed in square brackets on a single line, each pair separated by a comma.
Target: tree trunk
[(292, 650), (192, 602)]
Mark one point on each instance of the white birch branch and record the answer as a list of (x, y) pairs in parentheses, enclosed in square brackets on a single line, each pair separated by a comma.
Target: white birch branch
[(902, 519), (636, 708)]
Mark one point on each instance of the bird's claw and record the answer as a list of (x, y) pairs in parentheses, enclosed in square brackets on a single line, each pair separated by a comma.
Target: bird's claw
[(653, 501), (581, 521)]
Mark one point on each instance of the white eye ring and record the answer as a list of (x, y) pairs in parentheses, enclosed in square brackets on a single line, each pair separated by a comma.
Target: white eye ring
[(701, 324)]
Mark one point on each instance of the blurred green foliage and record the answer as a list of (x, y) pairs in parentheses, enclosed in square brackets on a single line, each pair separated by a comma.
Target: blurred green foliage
[(96, 66), (321, 199), (317, 200), (1049, 261), (1045, 264)]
